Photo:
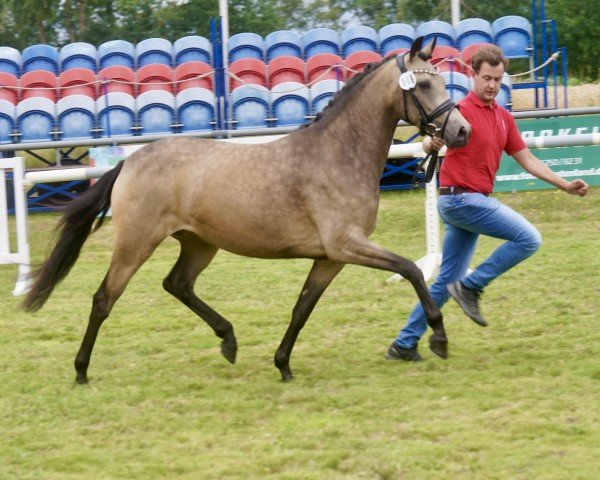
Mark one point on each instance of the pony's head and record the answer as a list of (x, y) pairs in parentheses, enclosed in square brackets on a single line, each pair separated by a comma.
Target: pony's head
[(425, 102)]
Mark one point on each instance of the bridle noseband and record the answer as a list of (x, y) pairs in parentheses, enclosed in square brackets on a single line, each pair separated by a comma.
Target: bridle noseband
[(408, 82)]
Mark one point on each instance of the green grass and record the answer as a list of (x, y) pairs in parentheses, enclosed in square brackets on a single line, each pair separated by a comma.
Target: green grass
[(518, 400)]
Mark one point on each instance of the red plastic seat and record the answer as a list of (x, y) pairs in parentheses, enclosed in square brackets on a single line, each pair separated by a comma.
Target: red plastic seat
[(467, 55), (78, 81), (189, 72), (250, 70), (358, 61), (45, 81), (155, 76), (442, 58), (286, 69), (124, 76), (9, 94), (318, 64), (396, 51)]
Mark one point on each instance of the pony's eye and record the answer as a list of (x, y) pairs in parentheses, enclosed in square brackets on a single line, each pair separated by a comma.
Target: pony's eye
[(424, 85)]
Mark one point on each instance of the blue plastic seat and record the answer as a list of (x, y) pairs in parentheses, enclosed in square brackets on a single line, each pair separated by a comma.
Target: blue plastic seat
[(8, 118), (357, 38), (322, 92), (458, 85), (196, 109), (246, 45), (473, 30), (40, 57), (153, 51), (156, 112), (76, 116), (192, 48), (395, 36), (36, 119), (443, 31), (79, 55), (290, 103), (250, 104), (10, 61), (116, 52), (504, 97), (513, 35), (283, 42), (116, 114), (321, 40)]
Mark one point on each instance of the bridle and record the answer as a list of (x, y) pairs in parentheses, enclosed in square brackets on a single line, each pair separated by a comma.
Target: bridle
[(408, 82)]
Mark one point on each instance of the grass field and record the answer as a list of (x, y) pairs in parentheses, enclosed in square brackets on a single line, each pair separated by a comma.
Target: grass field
[(518, 400)]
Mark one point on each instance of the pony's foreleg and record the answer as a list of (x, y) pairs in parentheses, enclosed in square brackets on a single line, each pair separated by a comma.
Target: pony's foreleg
[(319, 278), (362, 251), (195, 256)]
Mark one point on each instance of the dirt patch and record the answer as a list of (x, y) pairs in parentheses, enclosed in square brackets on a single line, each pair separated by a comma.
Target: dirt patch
[(587, 95)]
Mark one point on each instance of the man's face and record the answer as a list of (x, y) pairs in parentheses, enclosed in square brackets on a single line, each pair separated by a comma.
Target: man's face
[(486, 83)]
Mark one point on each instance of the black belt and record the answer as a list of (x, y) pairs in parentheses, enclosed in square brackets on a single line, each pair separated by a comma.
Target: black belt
[(457, 191)]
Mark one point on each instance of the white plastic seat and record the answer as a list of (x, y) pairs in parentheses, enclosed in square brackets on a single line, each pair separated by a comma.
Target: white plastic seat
[(36, 119), (116, 114), (156, 112), (76, 116), (195, 109)]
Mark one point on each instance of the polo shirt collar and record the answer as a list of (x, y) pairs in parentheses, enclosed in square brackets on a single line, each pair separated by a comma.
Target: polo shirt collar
[(477, 101)]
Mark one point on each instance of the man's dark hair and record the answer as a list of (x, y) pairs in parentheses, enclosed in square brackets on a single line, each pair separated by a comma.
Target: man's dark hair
[(489, 54)]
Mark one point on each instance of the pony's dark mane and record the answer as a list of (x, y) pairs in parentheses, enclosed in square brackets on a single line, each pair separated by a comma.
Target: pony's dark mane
[(342, 95)]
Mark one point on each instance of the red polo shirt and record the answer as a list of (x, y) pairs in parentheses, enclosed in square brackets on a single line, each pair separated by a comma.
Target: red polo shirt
[(493, 130)]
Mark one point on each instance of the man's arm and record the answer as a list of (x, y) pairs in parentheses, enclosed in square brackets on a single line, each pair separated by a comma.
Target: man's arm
[(432, 144), (539, 169)]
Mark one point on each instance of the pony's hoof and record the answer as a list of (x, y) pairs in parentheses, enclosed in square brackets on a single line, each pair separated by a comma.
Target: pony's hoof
[(439, 346), (81, 379), (286, 377), (229, 350)]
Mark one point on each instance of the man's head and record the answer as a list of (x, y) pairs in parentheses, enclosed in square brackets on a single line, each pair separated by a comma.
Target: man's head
[(489, 64)]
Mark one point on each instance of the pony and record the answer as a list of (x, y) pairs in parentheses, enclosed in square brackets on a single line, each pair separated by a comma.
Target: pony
[(312, 194)]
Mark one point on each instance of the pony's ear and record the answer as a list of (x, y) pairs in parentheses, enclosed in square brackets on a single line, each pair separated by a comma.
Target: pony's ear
[(428, 50), (416, 47)]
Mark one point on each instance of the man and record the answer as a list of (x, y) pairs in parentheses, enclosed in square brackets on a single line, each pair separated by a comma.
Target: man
[(466, 180)]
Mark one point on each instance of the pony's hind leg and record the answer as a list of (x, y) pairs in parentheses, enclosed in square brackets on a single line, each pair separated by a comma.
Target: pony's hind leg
[(126, 260), (319, 278), (195, 256)]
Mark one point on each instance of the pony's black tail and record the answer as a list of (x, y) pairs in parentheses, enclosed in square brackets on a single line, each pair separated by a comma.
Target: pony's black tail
[(73, 229)]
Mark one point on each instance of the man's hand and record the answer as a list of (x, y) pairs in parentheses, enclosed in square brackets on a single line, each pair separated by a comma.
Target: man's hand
[(577, 187), (432, 144)]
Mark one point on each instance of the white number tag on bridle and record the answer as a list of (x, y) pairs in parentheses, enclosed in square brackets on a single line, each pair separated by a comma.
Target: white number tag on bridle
[(408, 80)]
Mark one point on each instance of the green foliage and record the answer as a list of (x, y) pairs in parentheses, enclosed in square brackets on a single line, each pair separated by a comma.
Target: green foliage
[(518, 400)]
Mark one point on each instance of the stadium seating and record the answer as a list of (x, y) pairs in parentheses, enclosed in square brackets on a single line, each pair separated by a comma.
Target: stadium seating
[(286, 69), (187, 75), (116, 52), (443, 31), (78, 81), (283, 43), (457, 85), (249, 70), (78, 55), (39, 83), (10, 61), (76, 116), (116, 78), (319, 67), (357, 61), (153, 51), (359, 38), (36, 119), (196, 109), (250, 106), (155, 76), (40, 57), (192, 48), (513, 35), (395, 36), (442, 58), (289, 103), (8, 117), (9, 94), (246, 45), (156, 112), (321, 40), (116, 114), (322, 92), (473, 30)]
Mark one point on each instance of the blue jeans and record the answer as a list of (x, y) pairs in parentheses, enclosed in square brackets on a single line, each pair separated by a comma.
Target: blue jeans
[(465, 217)]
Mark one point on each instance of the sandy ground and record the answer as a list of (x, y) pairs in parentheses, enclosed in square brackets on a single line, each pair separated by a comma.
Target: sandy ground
[(587, 95)]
